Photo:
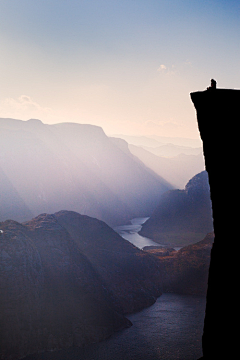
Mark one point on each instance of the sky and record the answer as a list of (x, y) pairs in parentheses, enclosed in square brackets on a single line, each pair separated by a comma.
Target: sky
[(125, 65)]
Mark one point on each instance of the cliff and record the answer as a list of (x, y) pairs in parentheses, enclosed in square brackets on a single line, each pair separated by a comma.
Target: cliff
[(182, 216), (61, 288), (217, 116)]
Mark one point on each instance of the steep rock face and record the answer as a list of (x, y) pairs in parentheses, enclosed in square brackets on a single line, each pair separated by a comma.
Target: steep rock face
[(66, 280), (185, 271), (182, 215), (75, 167), (131, 277), (217, 115), (51, 296)]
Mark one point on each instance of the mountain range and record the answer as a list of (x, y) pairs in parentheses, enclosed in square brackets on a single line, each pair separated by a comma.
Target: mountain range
[(48, 168), (156, 140), (177, 170)]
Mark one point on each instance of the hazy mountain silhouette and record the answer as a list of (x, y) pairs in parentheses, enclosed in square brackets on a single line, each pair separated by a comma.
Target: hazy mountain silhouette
[(177, 170), (182, 216), (12, 205), (67, 280), (170, 150), (155, 140), (75, 167)]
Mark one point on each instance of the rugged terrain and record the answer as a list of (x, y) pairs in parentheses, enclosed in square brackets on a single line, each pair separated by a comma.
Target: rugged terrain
[(185, 271), (67, 280), (182, 216)]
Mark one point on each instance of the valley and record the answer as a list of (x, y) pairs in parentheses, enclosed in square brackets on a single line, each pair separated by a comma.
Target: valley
[(92, 232)]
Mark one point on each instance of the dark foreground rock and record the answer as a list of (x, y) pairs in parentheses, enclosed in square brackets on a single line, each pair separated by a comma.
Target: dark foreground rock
[(54, 295), (218, 117)]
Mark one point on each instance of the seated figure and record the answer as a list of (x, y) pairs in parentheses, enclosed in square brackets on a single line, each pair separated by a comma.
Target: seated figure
[(213, 85)]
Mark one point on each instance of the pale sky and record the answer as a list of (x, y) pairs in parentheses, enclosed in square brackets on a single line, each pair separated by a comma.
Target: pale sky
[(125, 65)]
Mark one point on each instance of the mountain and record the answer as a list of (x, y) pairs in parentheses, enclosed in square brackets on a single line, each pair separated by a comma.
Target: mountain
[(182, 216), (63, 288), (139, 140), (75, 167), (176, 170), (12, 205), (170, 150), (131, 277), (185, 271), (155, 140)]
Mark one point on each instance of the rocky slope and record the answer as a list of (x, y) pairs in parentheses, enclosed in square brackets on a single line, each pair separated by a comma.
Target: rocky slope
[(182, 216), (131, 277), (61, 288), (74, 167), (185, 271)]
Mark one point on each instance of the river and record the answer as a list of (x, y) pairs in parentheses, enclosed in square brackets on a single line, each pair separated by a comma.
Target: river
[(130, 233), (171, 329)]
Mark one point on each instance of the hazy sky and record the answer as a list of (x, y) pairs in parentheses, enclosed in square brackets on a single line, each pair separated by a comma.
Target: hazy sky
[(125, 65)]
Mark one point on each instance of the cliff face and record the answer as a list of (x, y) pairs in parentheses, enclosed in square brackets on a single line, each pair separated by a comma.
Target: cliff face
[(182, 216), (217, 115), (61, 288)]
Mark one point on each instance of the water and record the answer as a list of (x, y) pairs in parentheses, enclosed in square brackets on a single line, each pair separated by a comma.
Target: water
[(130, 233), (171, 329)]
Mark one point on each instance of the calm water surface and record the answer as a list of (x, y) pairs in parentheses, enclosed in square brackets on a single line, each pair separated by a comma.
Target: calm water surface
[(171, 329), (130, 233)]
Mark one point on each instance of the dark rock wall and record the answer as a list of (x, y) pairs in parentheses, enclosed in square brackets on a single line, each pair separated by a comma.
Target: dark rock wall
[(218, 115)]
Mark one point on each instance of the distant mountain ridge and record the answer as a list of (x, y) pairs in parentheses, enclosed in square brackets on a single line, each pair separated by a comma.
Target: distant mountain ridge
[(176, 170), (155, 140), (174, 159), (75, 167), (170, 150)]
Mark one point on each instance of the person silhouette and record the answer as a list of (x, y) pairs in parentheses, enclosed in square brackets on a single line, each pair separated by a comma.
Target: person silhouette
[(213, 85)]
